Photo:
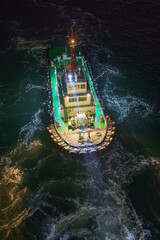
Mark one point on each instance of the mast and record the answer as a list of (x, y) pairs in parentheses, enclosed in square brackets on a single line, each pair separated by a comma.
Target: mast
[(72, 36)]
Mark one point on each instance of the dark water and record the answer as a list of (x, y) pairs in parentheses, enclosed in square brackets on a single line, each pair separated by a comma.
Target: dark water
[(45, 194)]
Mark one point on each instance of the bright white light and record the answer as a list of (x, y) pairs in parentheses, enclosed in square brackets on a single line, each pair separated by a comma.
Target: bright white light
[(72, 41), (88, 94), (70, 77)]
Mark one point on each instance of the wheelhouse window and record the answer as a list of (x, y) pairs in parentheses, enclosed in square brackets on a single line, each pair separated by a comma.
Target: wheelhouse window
[(82, 98), (83, 86), (73, 100)]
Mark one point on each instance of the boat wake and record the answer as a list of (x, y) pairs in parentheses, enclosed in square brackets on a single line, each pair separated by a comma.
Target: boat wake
[(107, 212)]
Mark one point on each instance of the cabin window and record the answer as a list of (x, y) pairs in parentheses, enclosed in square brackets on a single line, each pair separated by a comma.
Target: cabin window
[(83, 86), (82, 98), (73, 100)]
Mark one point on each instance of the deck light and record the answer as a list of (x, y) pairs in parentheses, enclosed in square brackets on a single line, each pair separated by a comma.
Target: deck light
[(70, 77), (72, 40)]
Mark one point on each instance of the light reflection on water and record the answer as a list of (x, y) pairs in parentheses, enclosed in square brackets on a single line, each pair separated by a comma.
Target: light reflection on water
[(13, 211)]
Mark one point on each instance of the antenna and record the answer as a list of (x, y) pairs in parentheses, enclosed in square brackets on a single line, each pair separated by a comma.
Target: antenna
[(73, 44)]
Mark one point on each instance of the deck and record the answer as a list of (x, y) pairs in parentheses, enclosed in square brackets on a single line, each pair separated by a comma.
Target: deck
[(88, 137)]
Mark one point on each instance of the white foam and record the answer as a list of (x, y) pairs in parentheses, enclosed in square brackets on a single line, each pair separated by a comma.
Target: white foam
[(30, 86), (51, 231), (27, 131), (127, 105)]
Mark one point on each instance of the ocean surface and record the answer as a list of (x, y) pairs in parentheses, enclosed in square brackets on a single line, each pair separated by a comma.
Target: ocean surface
[(44, 193)]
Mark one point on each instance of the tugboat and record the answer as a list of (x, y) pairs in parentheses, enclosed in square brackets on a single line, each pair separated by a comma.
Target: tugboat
[(77, 120)]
